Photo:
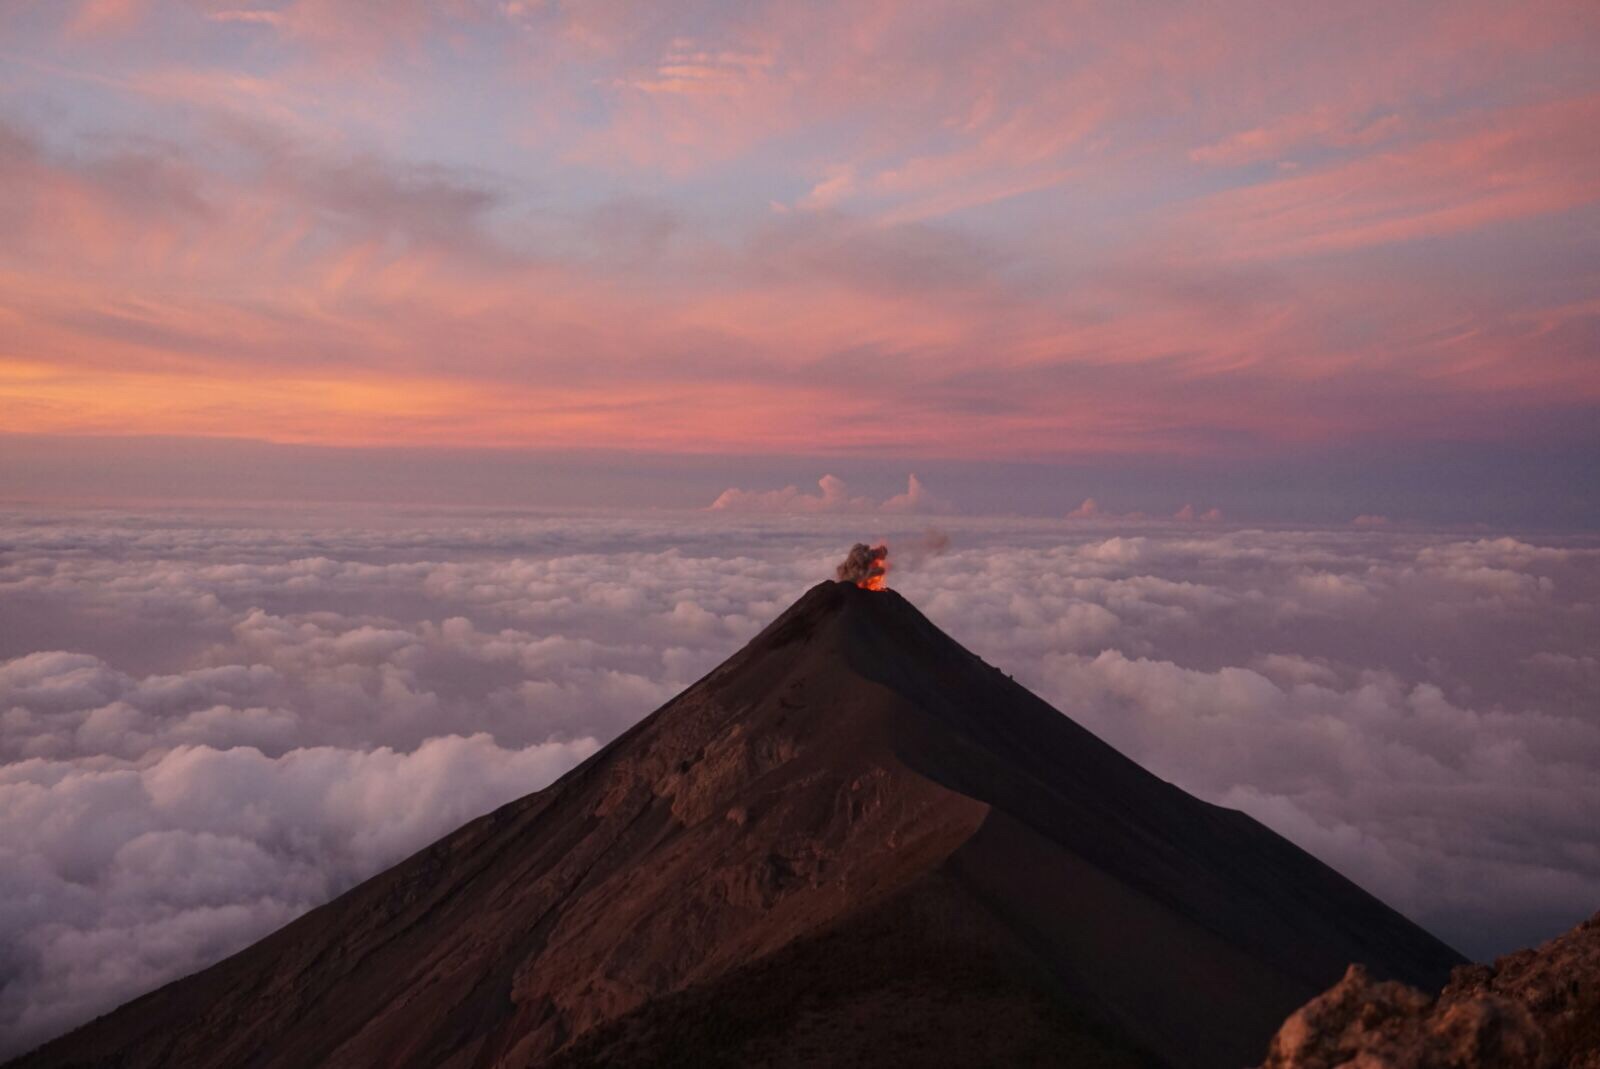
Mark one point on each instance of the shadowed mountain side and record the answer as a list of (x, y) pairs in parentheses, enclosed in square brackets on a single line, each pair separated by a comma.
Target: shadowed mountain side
[(852, 778), (926, 979)]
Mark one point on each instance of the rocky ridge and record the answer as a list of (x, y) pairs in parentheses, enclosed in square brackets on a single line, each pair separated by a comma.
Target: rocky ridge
[(1532, 1009)]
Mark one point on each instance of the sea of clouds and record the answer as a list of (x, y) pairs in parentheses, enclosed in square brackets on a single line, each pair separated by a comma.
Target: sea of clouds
[(210, 723)]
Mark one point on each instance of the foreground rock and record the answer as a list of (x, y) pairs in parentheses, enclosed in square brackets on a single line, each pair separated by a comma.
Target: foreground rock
[(1535, 1009)]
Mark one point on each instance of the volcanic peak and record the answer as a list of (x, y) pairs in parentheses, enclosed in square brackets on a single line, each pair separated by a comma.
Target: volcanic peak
[(854, 839)]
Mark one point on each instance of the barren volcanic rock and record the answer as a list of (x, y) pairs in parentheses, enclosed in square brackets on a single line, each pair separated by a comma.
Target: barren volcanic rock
[(1534, 1009), (852, 843)]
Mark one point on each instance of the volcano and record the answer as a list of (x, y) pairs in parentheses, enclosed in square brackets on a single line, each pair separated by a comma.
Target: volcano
[(853, 843)]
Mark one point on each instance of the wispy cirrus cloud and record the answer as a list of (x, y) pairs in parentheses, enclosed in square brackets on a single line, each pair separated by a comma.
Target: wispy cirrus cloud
[(1521, 162)]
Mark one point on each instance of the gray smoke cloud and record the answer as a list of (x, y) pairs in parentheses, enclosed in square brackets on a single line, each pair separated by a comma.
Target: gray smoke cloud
[(864, 564), (917, 551)]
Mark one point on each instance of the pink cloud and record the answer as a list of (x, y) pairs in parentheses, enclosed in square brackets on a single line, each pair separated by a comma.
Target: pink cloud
[(1517, 163), (1321, 126), (262, 17), (287, 222), (106, 16), (917, 498)]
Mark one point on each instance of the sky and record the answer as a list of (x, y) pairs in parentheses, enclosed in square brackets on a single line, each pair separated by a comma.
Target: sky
[(212, 720), (1312, 261)]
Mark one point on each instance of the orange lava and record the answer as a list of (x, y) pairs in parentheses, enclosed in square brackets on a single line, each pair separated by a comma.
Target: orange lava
[(879, 581)]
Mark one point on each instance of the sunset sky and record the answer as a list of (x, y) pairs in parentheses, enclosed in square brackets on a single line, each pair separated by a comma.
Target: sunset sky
[(1034, 252)]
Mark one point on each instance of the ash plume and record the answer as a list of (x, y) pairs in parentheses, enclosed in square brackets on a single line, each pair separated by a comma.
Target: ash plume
[(865, 565), (912, 553)]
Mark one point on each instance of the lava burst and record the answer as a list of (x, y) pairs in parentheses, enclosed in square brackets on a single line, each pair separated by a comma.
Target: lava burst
[(866, 566)]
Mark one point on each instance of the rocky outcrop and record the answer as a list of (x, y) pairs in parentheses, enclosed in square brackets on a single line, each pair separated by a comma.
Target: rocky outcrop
[(1534, 1009)]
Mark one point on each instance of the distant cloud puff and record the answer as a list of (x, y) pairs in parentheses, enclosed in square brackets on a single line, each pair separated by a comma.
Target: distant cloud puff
[(1092, 511), (833, 496), (1188, 514), (917, 498)]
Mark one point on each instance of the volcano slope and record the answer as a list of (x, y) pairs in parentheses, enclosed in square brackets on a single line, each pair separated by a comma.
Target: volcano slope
[(852, 843)]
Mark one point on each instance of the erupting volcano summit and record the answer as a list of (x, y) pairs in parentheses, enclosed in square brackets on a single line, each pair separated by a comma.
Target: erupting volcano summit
[(852, 843), (865, 566)]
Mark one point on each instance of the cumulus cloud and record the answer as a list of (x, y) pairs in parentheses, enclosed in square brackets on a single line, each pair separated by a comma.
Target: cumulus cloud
[(917, 498), (1091, 511), (832, 496), (210, 723), (1189, 514)]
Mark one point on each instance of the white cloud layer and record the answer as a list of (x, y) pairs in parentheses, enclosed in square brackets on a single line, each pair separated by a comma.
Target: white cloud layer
[(209, 725)]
